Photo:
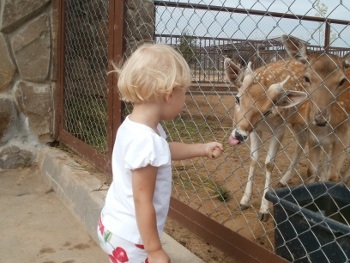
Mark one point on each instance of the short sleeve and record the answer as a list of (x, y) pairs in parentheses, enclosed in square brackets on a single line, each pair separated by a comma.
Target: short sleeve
[(147, 150)]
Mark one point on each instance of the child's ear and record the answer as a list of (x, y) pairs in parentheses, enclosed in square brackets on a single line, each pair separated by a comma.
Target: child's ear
[(168, 97)]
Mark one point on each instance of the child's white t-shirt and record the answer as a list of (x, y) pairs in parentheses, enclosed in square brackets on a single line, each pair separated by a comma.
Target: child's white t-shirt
[(136, 146)]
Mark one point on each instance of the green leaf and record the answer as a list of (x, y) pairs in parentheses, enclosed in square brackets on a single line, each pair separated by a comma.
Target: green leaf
[(107, 236)]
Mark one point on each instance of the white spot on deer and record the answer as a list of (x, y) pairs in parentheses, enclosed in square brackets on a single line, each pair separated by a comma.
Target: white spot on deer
[(267, 78)]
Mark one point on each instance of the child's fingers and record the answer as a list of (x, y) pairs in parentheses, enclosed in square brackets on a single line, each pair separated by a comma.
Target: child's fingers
[(220, 146), (216, 152)]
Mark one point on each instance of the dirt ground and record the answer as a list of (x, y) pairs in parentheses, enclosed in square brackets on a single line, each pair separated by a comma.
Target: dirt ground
[(35, 225), (229, 172), (203, 249)]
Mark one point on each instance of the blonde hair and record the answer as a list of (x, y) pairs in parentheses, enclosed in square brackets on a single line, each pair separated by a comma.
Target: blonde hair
[(152, 70)]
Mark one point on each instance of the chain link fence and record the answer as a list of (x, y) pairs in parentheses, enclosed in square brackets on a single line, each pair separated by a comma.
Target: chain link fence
[(85, 66), (207, 32)]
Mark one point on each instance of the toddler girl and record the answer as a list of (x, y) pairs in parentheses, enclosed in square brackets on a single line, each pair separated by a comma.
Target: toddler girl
[(154, 79)]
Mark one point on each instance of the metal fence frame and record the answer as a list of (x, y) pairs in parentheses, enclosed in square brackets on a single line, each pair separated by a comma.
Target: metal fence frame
[(114, 107), (210, 54), (227, 240)]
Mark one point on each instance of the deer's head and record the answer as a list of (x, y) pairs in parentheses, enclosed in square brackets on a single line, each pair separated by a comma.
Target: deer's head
[(324, 77), (260, 93)]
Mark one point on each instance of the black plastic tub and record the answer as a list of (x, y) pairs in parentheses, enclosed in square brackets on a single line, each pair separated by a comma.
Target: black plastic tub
[(312, 222)]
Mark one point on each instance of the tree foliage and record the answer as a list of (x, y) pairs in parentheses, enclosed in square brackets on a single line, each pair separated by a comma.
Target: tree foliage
[(321, 11), (187, 47)]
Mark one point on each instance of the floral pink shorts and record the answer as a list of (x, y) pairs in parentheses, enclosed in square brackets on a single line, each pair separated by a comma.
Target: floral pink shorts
[(118, 249)]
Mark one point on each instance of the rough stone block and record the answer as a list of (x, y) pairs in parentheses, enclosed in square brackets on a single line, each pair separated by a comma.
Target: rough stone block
[(12, 157), (17, 12), (32, 49), (35, 101), (8, 116), (7, 68)]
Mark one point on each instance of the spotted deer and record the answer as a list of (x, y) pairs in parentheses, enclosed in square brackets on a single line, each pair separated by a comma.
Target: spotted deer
[(326, 82), (267, 99)]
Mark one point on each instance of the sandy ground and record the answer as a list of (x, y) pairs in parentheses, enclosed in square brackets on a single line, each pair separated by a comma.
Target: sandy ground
[(36, 227)]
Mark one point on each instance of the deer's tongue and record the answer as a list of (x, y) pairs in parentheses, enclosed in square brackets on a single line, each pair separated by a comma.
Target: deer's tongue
[(233, 141)]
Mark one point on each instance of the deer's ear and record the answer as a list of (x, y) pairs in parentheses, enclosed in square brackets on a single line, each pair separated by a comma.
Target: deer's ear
[(247, 77), (295, 48), (232, 71), (290, 98), (285, 98), (346, 61)]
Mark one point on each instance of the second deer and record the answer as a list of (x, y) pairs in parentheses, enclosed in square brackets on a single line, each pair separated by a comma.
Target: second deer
[(326, 82)]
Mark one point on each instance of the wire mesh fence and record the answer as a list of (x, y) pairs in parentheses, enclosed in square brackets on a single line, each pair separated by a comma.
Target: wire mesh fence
[(85, 64), (308, 138)]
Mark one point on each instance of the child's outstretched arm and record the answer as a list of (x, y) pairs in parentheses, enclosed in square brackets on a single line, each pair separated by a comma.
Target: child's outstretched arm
[(143, 183), (182, 151)]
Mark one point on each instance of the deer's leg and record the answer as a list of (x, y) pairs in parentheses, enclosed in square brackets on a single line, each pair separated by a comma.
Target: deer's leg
[(346, 176), (255, 143), (275, 143), (337, 158), (301, 139), (314, 158), (324, 170)]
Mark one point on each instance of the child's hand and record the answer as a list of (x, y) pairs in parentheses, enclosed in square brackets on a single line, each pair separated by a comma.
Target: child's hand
[(158, 256), (213, 150)]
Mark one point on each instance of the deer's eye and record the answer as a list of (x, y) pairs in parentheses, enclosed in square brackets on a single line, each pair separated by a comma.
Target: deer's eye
[(341, 83), (307, 80), (237, 100), (267, 113)]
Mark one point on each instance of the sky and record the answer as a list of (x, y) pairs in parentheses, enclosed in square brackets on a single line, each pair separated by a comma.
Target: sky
[(227, 25), (337, 9)]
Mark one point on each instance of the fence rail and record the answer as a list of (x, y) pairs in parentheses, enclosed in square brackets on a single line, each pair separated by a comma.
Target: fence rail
[(206, 57)]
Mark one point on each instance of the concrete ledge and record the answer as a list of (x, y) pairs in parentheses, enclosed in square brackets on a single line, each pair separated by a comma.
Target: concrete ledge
[(84, 196), (76, 187)]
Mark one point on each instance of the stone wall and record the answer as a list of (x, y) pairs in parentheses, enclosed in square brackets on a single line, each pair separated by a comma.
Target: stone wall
[(27, 79)]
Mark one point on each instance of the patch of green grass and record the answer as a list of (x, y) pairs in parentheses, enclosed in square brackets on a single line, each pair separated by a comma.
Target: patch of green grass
[(200, 182), (215, 190), (189, 129)]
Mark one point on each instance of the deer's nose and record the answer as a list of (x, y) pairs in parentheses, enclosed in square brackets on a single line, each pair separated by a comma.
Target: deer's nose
[(240, 136), (320, 120)]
